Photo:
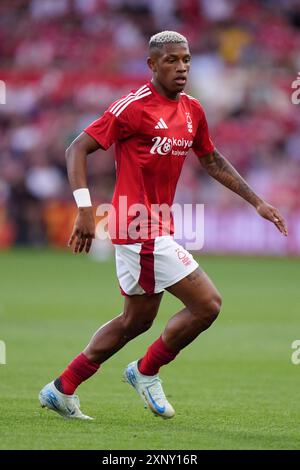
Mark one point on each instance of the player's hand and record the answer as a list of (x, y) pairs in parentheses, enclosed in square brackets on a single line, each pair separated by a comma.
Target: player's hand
[(271, 213), (83, 231)]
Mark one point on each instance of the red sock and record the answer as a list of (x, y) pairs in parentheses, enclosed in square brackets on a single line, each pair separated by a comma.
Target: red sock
[(156, 356), (79, 370)]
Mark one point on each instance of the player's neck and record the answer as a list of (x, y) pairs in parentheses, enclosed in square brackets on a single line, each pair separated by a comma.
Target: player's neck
[(164, 91)]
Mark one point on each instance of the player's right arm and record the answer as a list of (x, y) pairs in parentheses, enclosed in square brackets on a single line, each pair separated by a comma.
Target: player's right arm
[(76, 159), (119, 122)]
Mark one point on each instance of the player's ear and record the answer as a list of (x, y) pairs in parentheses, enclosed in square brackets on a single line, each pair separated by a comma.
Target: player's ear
[(151, 64)]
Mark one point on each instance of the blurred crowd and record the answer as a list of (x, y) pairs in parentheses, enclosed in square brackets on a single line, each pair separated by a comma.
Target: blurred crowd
[(64, 61)]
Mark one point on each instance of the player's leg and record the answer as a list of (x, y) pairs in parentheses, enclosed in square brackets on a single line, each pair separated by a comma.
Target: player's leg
[(202, 305), (137, 317), (176, 271)]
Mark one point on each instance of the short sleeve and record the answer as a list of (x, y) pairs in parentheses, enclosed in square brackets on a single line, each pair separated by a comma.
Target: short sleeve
[(110, 128), (202, 144)]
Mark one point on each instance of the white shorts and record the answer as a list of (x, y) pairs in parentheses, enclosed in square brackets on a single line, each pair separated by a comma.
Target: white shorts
[(150, 267)]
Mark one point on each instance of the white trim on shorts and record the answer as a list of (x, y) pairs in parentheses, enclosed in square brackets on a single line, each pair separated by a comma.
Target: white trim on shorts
[(152, 266)]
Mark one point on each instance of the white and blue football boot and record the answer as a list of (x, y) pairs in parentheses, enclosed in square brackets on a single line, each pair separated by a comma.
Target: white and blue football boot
[(150, 390), (67, 406)]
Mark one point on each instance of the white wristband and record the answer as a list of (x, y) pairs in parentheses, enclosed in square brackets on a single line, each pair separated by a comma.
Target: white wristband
[(82, 197)]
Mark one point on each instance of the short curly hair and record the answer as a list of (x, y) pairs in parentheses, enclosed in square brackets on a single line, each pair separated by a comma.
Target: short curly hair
[(166, 37)]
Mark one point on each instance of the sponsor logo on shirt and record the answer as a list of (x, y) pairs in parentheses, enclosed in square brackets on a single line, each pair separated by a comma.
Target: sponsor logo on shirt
[(296, 94), (165, 146)]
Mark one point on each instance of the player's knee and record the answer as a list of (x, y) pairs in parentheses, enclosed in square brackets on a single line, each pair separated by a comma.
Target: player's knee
[(134, 327), (209, 310), (143, 326), (213, 307)]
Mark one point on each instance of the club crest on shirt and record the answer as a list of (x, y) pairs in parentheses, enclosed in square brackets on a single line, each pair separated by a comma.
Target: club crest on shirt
[(189, 122)]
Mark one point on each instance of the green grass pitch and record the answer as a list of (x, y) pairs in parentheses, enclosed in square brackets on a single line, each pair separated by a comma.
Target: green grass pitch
[(235, 387)]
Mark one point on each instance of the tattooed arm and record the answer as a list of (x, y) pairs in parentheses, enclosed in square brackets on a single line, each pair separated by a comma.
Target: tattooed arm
[(220, 169)]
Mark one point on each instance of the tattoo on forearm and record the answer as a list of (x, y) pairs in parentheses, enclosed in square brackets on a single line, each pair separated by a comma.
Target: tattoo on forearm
[(220, 169)]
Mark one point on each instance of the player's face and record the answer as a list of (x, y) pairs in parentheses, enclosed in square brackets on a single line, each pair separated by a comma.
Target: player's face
[(170, 66)]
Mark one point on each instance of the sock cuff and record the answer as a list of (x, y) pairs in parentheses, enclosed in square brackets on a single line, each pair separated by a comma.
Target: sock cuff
[(95, 365), (157, 355), (81, 365), (165, 347)]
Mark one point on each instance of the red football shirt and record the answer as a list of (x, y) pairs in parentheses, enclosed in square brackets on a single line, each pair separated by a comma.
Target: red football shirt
[(152, 135)]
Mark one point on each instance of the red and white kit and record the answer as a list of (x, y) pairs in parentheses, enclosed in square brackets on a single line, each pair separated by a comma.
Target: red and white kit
[(153, 135)]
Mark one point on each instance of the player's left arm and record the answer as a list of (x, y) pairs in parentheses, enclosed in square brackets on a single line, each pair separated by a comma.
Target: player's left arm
[(220, 169)]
